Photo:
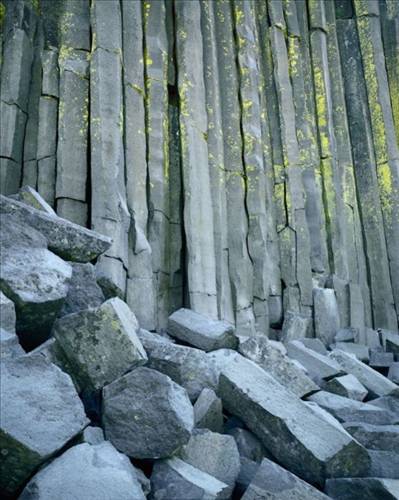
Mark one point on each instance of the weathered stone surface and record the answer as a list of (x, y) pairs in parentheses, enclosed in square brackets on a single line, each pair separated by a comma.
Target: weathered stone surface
[(317, 365), (188, 367), (273, 482), (68, 240), (390, 341), (393, 373), (380, 359), (35, 279), (376, 383), (201, 331), (248, 444), (215, 454), (93, 435), (263, 353), (83, 291), (280, 419), (348, 386), (40, 413), (366, 488), (375, 437), (143, 427), (208, 411), (315, 345), (296, 326), (176, 479), (360, 351), (247, 472), (73, 210), (349, 410), (7, 313), (9, 345), (384, 464), (100, 343), (31, 197), (389, 403), (86, 471), (326, 314)]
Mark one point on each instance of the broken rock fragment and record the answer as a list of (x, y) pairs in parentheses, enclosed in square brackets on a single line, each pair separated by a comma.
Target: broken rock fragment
[(348, 386)]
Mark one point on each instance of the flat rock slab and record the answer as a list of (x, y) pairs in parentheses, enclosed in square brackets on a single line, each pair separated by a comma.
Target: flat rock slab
[(375, 437), (377, 384), (368, 488), (200, 331), (7, 314), (176, 479), (40, 413), (347, 386), (314, 344), (189, 367), (101, 343), (360, 351), (208, 411), (349, 410), (89, 472), (304, 443), (279, 366), (213, 453), (9, 345), (272, 482), (34, 278), (146, 414), (68, 240)]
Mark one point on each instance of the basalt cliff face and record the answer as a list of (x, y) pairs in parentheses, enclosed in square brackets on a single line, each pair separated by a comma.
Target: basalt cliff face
[(242, 155)]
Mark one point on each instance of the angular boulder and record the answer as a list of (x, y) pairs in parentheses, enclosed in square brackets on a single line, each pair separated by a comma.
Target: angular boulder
[(7, 314), (307, 445), (375, 437), (89, 472), (29, 196), (275, 483), (315, 345), (208, 411), (393, 373), (64, 238), (384, 464), (176, 479), (101, 344), (200, 331), (40, 413), (295, 326), (360, 351), (326, 314), (34, 278), (377, 384), (282, 368), (146, 414), (347, 386), (367, 488), (390, 341), (248, 444)]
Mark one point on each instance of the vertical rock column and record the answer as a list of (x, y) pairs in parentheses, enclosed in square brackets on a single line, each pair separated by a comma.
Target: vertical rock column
[(240, 265), (72, 158), (255, 176), (198, 214), (157, 130), (109, 212)]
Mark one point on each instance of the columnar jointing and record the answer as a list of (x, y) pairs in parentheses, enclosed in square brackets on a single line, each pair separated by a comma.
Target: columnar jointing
[(241, 154)]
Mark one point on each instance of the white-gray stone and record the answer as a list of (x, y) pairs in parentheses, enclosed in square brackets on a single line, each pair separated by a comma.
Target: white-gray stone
[(208, 411), (326, 314), (348, 386)]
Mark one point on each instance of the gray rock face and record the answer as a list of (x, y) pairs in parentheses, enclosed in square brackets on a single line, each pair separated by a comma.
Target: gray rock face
[(35, 279), (326, 314), (314, 344), (215, 454), (143, 426), (393, 373), (29, 196), (380, 359), (101, 344), (377, 384), (296, 326), (200, 331), (248, 444), (68, 240), (208, 411), (375, 437), (282, 368), (348, 386), (306, 444), (366, 488), (247, 472), (275, 483), (188, 367), (40, 413), (83, 291), (9, 345), (390, 341), (89, 472), (384, 464), (361, 352), (7, 314), (176, 479), (93, 435)]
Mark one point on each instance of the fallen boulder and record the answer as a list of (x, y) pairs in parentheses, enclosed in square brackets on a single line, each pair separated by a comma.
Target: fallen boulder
[(40, 413), (248, 444), (146, 414), (89, 472), (375, 437), (360, 351), (367, 488), (390, 341), (393, 373), (208, 411), (200, 331), (384, 464), (101, 344), (295, 326), (347, 386)]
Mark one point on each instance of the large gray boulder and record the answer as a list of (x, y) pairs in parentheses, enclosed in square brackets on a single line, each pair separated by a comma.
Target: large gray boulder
[(260, 350), (146, 414), (208, 411), (201, 331), (368, 488), (89, 472), (360, 351), (40, 413), (189, 367), (304, 443), (347, 386), (101, 343), (215, 454), (177, 480), (272, 482), (390, 341), (68, 240), (7, 314), (248, 444), (34, 278), (377, 384), (375, 437), (29, 196), (295, 326), (393, 373)]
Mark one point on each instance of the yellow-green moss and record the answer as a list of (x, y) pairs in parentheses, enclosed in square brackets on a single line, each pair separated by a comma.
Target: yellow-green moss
[(2, 13)]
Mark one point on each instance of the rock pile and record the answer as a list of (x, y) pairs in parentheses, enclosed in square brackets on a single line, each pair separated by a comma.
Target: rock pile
[(196, 412)]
